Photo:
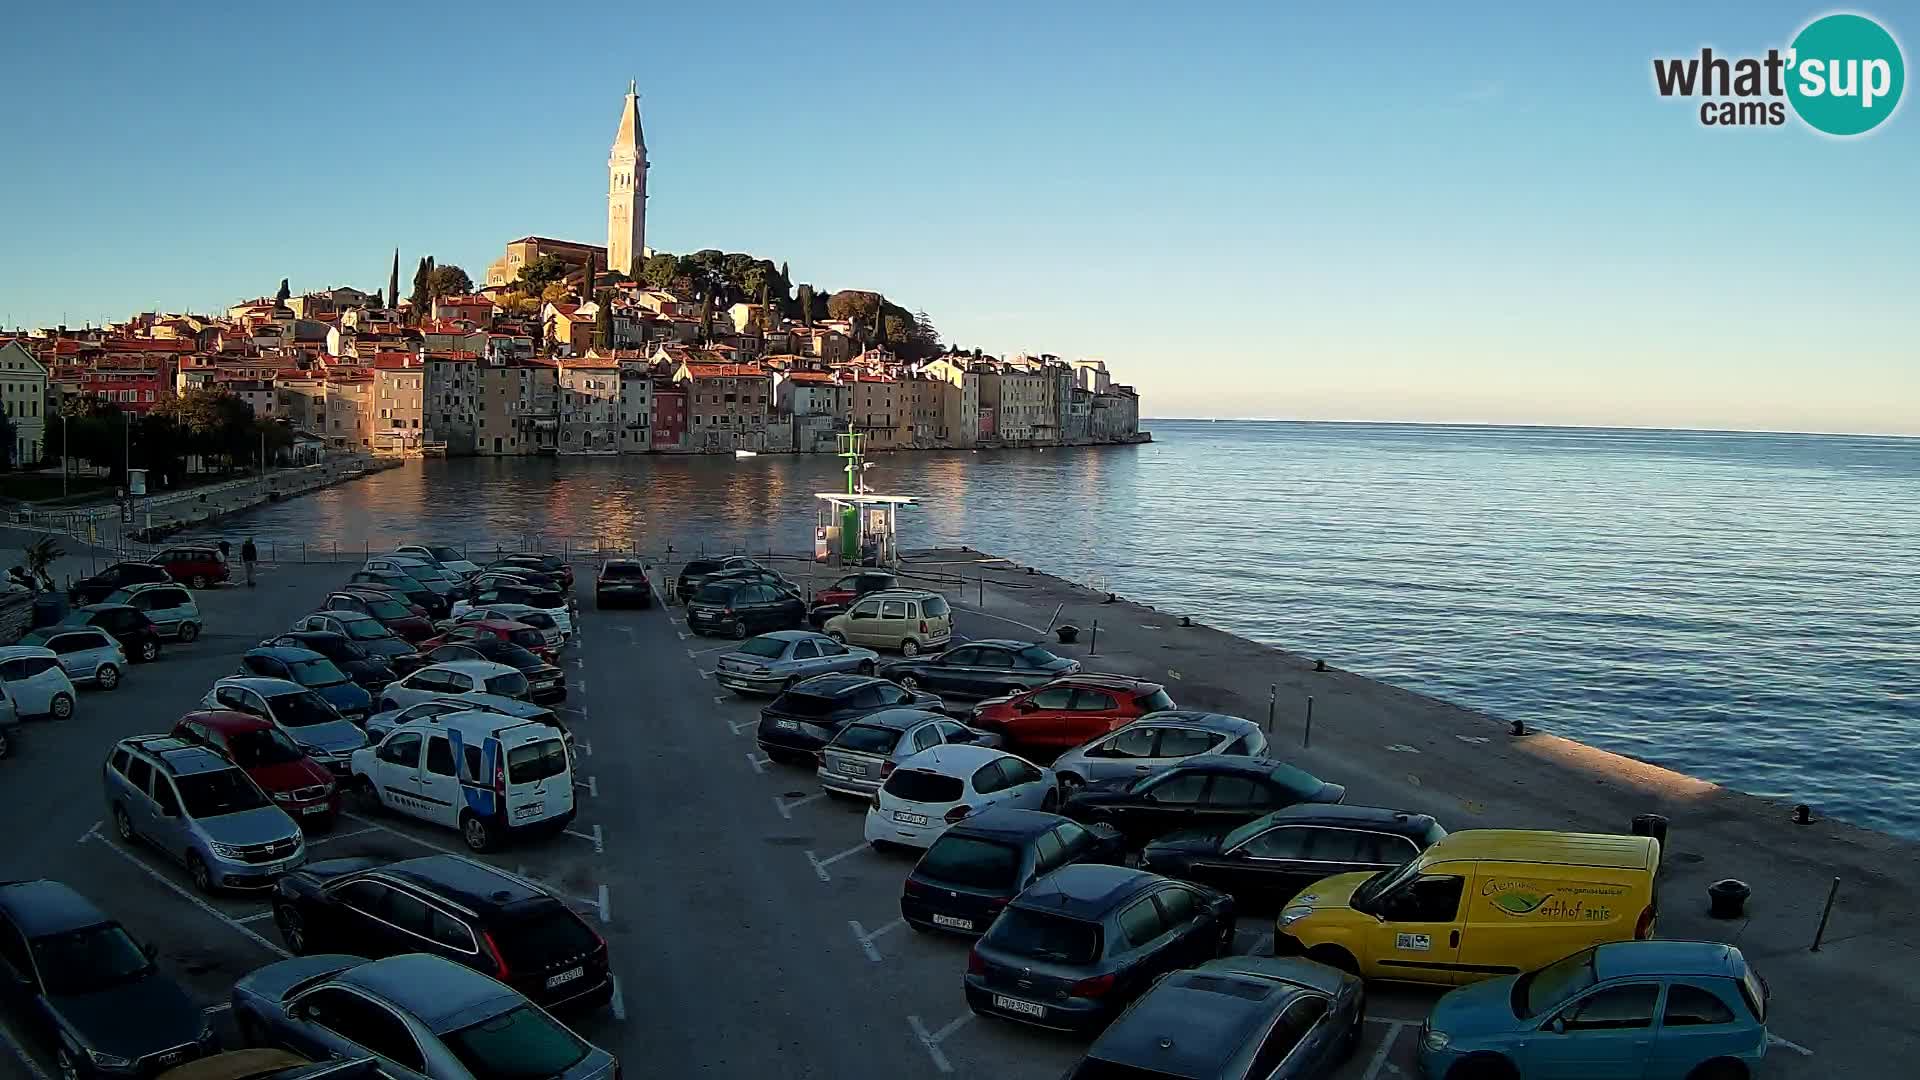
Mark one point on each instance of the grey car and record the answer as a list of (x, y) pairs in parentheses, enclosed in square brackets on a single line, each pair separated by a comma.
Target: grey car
[(89, 654), (772, 662), (422, 1017), (981, 669), (362, 629), (861, 757), (314, 725), (1156, 741), (200, 810)]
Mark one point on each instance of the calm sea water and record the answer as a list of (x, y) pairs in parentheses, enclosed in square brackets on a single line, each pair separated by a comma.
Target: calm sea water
[(1744, 608)]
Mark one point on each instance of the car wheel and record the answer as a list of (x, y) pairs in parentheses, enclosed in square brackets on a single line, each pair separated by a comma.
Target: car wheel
[(106, 676), (837, 636), (197, 870), (1334, 957), (293, 928), (1483, 1067), (908, 683), (739, 630), (198, 581), (65, 1065), (189, 631), (909, 647), (476, 832), (1719, 1069), (149, 651), (1069, 783), (61, 707), (866, 667)]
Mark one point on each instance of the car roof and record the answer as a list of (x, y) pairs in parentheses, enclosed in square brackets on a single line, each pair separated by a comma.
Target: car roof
[(1251, 766), (1197, 718), (1379, 818), (1085, 890), (482, 669), (148, 586), (1192, 1022), (1667, 958), (898, 719), (1098, 681), (1005, 823), (181, 757), (14, 652), (903, 593), (475, 722), (1538, 846), (1001, 643), (953, 759), (494, 624), (435, 991), (288, 653), (621, 560), (833, 685), (473, 885), (227, 721), (262, 684), (794, 635), (41, 907), (103, 607), (1292, 970)]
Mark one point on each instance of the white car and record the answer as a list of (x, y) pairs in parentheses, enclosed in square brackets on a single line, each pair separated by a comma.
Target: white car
[(458, 678), (35, 682), (483, 773), (549, 627), (936, 788), (446, 558), (89, 654)]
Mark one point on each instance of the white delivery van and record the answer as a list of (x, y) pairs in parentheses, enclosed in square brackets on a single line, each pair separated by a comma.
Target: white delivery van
[(487, 775)]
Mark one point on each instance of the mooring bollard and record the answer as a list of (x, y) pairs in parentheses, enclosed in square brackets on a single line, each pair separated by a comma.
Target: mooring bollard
[(1094, 645), (1306, 734), (1832, 891), (1273, 699)]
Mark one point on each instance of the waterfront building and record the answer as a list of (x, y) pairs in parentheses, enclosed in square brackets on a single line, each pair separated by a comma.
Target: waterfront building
[(23, 395), (1017, 396), (349, 409), (815, 405), (627, 190), (727, 404), (590, 404), (452, 402), (873, 406), (636, 403), (670, 431), (956, 417), (399, 393)]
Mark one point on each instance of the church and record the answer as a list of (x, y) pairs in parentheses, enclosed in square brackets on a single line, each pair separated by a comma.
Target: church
[(626, 211)]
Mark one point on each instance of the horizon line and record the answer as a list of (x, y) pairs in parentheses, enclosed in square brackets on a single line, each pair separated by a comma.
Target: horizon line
[(1527, 426)]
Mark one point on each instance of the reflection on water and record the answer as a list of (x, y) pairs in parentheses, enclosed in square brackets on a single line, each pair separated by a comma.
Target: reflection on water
[(1740, 607)]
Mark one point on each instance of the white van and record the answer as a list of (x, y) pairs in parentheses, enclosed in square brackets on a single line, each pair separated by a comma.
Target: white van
[(487, 775)]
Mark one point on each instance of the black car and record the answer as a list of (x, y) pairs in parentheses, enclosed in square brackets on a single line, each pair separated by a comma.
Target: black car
[(92, 590), (978, 865), (696, 571), (1267, 861), (533, 560), (755, 573), (416, 592), (348, 655), (741, 608), (1079, 944), (1234, 1018), (494, 922), (622, 581), (546, 683), (504, 592), (519, 575), (367, 633), (127, 624), (981, 669), (274, 1065), (807, 715), (76, 978), (1209, 791)]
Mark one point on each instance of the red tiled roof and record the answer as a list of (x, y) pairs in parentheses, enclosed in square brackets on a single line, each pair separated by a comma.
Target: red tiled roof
[(596, 363), (700, 370), (810, 377)]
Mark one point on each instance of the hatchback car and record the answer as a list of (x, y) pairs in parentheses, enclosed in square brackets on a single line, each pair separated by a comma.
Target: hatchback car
[(1073, 949), (546, 683), (1156, 741), (1234, 1018), (196, 565), (987, 859), (935, 788), (795, 725), (1211, 792), (831, 599), (1068, 712), (982, 669), (1660, 1010), (544, 563), (313, 671), (133, 630), (313, 724), (87, 655), (35, 682), (506, 631), (551, 602), (518, 575), (861, 757), (169, 607), (455, 679), (473, 914), (200, 810), (416, 592), (398, 617), (300, 785), (445, 556), (696, 571), (92, 590), (622, 581), (738, 608), (441, 583), (78, 981), (365, 632), (418, 1015), (908, 621), (366, 670), (1267, 861), (549, 627), (487, 775), (772, 662)]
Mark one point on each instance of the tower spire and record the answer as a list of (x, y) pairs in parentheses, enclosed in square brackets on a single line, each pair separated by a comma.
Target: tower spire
[(627, 188)]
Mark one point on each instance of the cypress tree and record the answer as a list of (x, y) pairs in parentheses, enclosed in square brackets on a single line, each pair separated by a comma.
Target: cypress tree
[(419, 295), (586, 281), (281, 296), (603, 323), (393, 282)]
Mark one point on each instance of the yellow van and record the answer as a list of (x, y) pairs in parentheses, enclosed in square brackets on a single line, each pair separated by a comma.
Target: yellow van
[(1479, 903)]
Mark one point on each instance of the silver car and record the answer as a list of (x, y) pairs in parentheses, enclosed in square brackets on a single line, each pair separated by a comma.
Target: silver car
[(1155, 741), (89, 654), (201, 811), (772, 662), (861, 757), (421, 1017), (306, 717)]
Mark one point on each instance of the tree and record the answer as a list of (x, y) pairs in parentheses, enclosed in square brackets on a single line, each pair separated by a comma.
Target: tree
[(556, 292), (541, 272), (880, 323), (659, 271), (853, 305), (518, 303), (9, 440), (706, 269), (766, 313), (806, 305), (706, 318), (393, 282), (449, 280), (587, 291), (281, 296), (603, 323), (420, 289), (40, 557)]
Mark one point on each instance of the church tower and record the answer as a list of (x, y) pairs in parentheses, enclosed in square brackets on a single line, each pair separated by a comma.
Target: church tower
[(627, 189)]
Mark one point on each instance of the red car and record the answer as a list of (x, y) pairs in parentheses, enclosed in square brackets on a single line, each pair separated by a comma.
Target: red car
[(407, 622), (298, 784), (853, 586), (192, 565), (514, 633), (1069, 711)]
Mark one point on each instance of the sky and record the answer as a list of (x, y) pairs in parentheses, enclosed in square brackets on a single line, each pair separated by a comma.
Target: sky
[(1459, 213)]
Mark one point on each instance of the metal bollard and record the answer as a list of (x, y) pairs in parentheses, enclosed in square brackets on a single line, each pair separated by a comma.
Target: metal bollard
[(1832, 891), (1094, 645), (1273, 700), (1306, 734)]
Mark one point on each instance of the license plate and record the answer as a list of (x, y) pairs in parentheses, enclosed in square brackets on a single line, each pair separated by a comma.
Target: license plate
[(853, 768), (565, 977), (527, 811), (1015, 1005), (957, 924), (316, 808), (788, 724), (909, 819)]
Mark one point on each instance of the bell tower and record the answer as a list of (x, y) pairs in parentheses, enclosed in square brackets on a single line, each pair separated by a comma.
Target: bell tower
[(627, 189)]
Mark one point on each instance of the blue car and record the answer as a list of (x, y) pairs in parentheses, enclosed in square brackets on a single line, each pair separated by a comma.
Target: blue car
[(1649, 1010), (313, 671)]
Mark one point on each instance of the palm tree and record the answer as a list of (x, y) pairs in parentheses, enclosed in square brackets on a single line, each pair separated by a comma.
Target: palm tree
[(40, 556)]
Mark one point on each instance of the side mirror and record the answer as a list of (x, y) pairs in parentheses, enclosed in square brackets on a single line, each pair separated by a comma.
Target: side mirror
[(1559, 1025), (150, 950)]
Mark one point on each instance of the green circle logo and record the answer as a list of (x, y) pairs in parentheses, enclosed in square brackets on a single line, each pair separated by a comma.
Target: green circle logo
[(1846, 74)]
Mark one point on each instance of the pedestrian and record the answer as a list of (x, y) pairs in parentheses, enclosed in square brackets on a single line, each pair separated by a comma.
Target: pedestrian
[(249, 555), (226, 551)]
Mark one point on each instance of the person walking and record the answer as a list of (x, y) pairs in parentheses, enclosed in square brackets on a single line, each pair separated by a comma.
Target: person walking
[(226, 551), (249, 555)]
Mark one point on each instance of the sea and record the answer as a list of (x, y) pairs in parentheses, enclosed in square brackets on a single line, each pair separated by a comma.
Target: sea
[(1744, 608)]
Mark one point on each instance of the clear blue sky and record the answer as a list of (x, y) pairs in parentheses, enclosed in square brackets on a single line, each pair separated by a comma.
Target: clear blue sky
[(1401, 212)]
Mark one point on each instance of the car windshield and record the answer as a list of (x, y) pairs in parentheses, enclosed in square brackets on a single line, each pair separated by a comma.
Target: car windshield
[(536, 761), (317, 672), (512, 684), (262, 747), (515, 656), (1157, 702), (867, 739), (1244, 833), (971, 861), (85, 961), (917, 785), (1537, 991), (629, 571), (1045, 936), (444, 553), (1035, 656), (388, 609), (365, 630), (714, 594), (1093, 1068), (216, 794), (795, 704), (520, 1044), (303, 709), (534, 598), (767, 647), (1381, 883)]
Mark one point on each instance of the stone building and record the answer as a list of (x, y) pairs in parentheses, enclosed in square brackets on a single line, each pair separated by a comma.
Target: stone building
[(589, 401), (727, 405)]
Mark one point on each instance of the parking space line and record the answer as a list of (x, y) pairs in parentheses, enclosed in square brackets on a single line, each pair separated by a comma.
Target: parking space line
[(19, 1050), (90, 833), (141, 865), (220, 1008), (619, 1003), (605, 905), (595, 838), (820, 865), (706, 674), (786, 807), (758, 761), (255, 917), (591, 787), (583, 745), (331, 837), (1793, 1046), (692, 653), (1386, 1047), (739, 726), (723, 699), (932, 1040), (866, 940), (404, 836), (682, 633)]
